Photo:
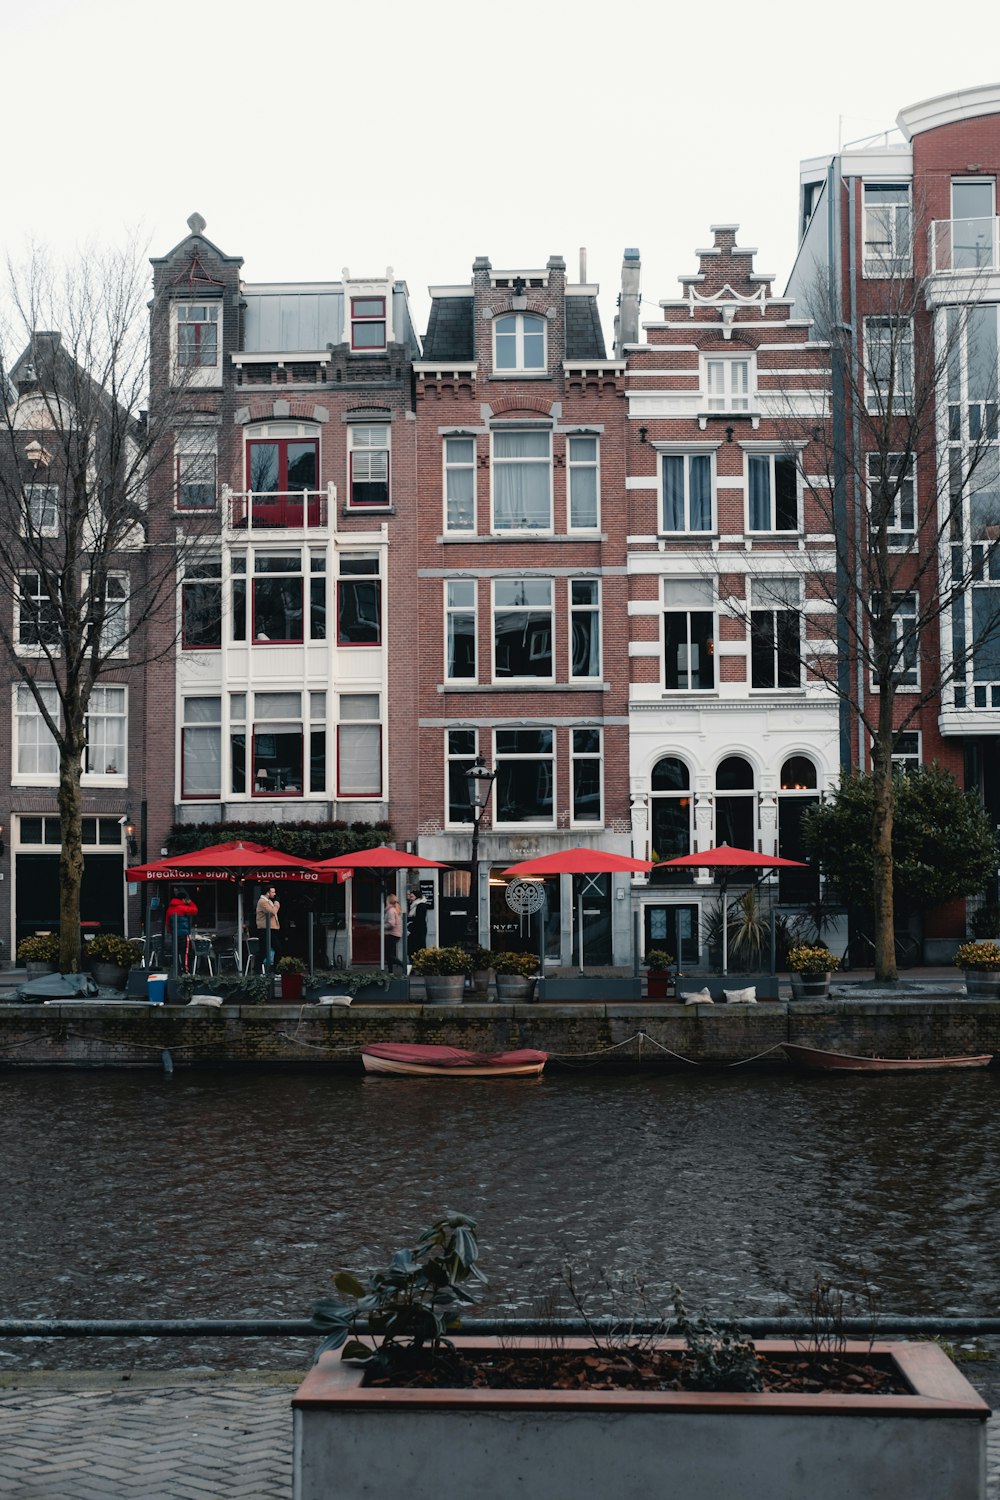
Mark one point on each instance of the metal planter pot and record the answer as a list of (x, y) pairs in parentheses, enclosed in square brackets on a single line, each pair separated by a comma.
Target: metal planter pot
[(444, 989), (810, 986), (982, 984), (513, 989)]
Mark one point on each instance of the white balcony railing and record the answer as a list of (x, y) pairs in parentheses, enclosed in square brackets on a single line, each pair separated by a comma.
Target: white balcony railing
[(291, 510), (964, 245)]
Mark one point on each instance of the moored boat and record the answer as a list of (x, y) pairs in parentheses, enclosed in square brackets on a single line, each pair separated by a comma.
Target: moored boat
[(418, 1060), (817, 1060)]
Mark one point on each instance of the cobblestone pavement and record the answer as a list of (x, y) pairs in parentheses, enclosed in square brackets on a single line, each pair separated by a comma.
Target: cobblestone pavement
[(179, 1438)]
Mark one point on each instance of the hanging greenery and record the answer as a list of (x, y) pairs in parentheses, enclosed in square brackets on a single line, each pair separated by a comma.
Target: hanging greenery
[(304, 840)]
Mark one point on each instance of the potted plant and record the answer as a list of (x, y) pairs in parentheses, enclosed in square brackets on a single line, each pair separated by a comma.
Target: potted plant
[(705, 1414), (980, 962), (658, 963), (443, 972), (39, 953), (291, 971), (110, 957), (811, 966), (516, 974)]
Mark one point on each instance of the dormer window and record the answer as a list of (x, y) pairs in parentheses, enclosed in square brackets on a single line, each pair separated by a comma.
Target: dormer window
[(518, 342), (367, 323)]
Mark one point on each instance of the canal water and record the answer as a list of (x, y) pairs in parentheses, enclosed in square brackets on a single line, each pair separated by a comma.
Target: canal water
[(238, 1195)]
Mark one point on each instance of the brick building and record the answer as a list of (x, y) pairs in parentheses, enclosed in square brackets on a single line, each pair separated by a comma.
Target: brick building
[(733, 732), (520, 606)]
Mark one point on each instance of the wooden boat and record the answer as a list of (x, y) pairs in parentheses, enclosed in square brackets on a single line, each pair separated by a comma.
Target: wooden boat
[(816, 1060), (420, 1061)]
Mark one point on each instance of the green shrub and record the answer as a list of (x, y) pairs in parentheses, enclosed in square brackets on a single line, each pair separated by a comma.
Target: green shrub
[(109, 948), (523, 964), (440, 961), (812, 958), (42, 948), (291, 965), (981, 955), (658, 959)]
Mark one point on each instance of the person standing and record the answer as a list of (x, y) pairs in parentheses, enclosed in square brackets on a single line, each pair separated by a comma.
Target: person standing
[(267, 916), (180, 916), (392, 925), (416, 927)]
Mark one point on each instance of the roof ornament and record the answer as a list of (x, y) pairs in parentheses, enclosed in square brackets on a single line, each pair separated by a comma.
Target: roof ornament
[(196, 224)]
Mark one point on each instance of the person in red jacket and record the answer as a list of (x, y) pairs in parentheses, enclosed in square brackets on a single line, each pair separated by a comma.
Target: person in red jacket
[(181, 914)]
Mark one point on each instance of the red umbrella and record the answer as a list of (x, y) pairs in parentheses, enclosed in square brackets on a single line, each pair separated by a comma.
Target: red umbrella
[(578, 862), (379, 858), (725, 858)]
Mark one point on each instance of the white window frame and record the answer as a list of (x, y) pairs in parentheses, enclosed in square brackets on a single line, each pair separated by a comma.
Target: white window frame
[(349, 720), (27, 648), (525, 756), (116, 579), (500, 462), (687, 609), (885, 225), (873, 348), (725, 389), (196, 374), (574, 608), (196, 450), (685, 456), (576, 756), (526, 609), (36, 523), (451, 609), (581, 466), (99, 712), (907, 760), (455, 757), (520, 320), (906, 679), (24, 711), (772, 457), (458, 466), (370, 451), (901, 537), (209, 726), (774, 597)]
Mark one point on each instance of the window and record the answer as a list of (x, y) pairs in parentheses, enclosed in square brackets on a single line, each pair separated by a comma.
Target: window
[(359, 601), (687, 492), (359, 746), (115, 631), (197, 335), (892, 497), (689, 634), (37, 752), (41, 517), (906, 751), (582, 457), (201, 605), (585, 627), (525, 776), (369, 459), (460, 484), (367, 323), (277, 745), (585, 773), (462, 747), (460, 634), (196, 470), (888, 364), (775, 633), (317, 742), (277, 598), (774, 492), (105, 754), (201, 747), (522, 628), (671, 812), (728, 384), (796, 798), (905, 666), (522, 481), (280, 470), (972, 211), (37, 616), (519, 342), (735, 804), (887, 229)]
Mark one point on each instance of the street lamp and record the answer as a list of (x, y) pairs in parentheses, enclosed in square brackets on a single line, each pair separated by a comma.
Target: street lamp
[(480, 781)]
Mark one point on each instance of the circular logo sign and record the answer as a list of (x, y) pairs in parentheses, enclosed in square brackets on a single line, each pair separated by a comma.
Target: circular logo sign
[(526, 896)]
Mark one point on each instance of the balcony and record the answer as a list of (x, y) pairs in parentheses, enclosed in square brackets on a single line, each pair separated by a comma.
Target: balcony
[(960, 246), (298, 511)]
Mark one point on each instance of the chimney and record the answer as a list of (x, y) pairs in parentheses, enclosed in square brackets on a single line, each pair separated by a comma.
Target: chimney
[(627, 321)]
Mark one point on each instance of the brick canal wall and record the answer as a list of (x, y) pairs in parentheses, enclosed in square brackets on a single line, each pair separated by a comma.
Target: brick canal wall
[(601, 1035)]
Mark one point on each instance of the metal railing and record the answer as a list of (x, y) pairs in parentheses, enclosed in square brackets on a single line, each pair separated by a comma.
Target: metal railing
[(288, 510)]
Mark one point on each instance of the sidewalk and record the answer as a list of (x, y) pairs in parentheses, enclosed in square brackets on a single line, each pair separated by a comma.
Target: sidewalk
[(191, 1436)]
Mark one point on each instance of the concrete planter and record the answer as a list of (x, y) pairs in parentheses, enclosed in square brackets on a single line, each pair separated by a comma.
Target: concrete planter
[(565, 1445), (567, 990), (444, 989)]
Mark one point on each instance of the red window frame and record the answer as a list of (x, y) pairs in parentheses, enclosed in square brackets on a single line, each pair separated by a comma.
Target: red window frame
[(283, 506), (367, 319), (197, 362)]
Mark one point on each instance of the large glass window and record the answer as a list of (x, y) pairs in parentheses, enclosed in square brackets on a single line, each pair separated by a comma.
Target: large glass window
[(359, 601), (689, 634), (460, 484), (519, 342), (775, 633), (369, 460), (460, 633), (201, 604), (797, 796), (525, 765), (888, 364), (905, 669), (359, 746), (586, 761), (891, 496), (201, 747), (687, 492), (522, 628), (105, 754), (277, 745), (462, 747), (774, 492), (671, 811), (887, 229), (522, 481), (37, 751), (584, 483), (277, 597), (735, 803), (585, 627)]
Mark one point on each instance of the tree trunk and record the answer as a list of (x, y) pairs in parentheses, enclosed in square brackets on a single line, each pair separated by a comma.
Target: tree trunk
[(883, 895), (70, 861)]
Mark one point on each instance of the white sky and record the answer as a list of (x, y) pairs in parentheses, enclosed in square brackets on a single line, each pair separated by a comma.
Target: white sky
[(420, 133)]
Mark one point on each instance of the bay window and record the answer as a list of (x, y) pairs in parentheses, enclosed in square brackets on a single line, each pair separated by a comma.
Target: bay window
[(277, 597), (201, 747), (277, 744), (359, 746), (525, 765), (522, 628), (522, 481), (359, 601)]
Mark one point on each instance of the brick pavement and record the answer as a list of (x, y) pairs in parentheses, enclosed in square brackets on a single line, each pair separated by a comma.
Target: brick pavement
[(182, 1437)]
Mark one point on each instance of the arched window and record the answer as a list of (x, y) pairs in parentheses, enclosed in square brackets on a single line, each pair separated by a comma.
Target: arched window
[(735, 803), (282, 466), (671, 815), (797, 795), (798, 774), (519, 342)]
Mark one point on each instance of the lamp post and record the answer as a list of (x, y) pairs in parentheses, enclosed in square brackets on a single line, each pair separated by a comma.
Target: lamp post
[(480, 781)]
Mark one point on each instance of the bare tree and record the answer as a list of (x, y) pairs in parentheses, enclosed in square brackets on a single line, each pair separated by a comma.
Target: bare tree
[(899, 483), (76, 450)]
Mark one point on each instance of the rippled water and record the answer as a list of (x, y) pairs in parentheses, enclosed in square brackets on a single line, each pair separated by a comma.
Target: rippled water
[(129, 1195)]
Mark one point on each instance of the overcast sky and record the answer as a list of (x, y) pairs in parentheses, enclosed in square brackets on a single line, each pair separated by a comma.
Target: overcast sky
[(323, 134)]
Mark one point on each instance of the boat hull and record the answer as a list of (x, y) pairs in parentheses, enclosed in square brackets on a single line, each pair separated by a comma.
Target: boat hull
[(417, 1061), (817, 1060)]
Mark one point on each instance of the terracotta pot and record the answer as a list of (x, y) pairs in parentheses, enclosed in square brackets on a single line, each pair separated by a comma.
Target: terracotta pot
[(292, 986), (657, 984)]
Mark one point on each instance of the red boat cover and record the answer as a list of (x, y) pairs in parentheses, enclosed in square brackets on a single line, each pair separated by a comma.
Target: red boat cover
[(448, 1057)]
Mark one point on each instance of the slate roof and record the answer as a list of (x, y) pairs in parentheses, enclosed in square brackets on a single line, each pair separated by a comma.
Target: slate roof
[(450, 329), (584, 335)]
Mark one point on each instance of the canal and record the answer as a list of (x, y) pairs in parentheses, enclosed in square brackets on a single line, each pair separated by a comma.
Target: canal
[(236, 1194)]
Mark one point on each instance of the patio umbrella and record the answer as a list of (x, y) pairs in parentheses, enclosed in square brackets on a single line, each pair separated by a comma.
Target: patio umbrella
[(578, 861), (381, 858), (238, 861), (724, 859)]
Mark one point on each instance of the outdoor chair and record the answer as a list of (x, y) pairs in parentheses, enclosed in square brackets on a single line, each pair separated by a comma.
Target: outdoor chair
[(251, 961), (225, 951), (201, 949)]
